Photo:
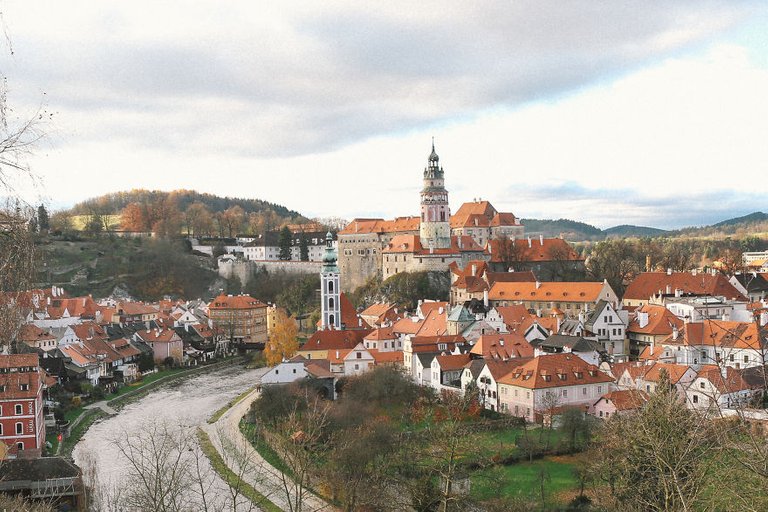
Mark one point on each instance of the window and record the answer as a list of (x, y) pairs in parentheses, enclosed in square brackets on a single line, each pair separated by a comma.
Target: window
[(584, 391), (695, 399), (20, 446), (25, 387), (357, 366), (732, 358), (746, 359), (294, 370), (19, 410), (359, 355), (19, 428), (330, 286), (565, 392)]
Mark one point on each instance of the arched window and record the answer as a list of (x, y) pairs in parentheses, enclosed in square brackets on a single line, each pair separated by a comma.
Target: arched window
[(330, 286), (331, 320), (330, 302), (20, 446), (19, 427), (1, 429), (19, 410)]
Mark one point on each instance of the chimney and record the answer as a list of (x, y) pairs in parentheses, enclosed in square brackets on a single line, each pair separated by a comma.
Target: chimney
[(653, 346), (669, 271), (678, 292), (642, 319), (538, 284), (647, 262), (337, 354), (675, 332), (694, 271), (529, 243), (763, 318), (724, 372), (669, 290), (485, 298), (541, 239), (474, 269), (501, 342), (440, 310)]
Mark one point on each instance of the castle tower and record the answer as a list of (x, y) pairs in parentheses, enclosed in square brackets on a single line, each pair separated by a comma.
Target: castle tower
[(435, 228), (330, 305)]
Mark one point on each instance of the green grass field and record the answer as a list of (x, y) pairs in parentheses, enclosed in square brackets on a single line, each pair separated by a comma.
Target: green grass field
[(524, 479)]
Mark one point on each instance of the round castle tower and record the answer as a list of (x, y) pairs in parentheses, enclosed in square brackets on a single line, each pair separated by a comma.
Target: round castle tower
[(435, 228)]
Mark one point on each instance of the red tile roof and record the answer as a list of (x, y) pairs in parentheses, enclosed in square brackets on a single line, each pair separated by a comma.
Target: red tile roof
[(236, 302), (717, 333), (647, 284), (453, 362), (555, 370), (502, 346), (333, 339), (626, 399), (732, 383), (547, 291), (660, 321)]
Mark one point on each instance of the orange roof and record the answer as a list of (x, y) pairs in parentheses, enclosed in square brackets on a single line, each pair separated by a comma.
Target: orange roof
[(660, 321), (647, 284), (382, 333), (137, 308), (89, 330), (717, 333), (380, 226), (407, 326), (349, 318), (675, 372), (435, 324), (504, 219), (499, 369), (502, 346), (732, 382), (18, 361), (467, 212), (548, 291), (394, 356), (453, 362), (158, 335), (514, 315), (32, 333), (427, 307), (78, 306), (411, 244), (626, 399), (12, 383), (92, 351), (552, 249), (333, 339), (236, 302), (555, 370), (380, 311)]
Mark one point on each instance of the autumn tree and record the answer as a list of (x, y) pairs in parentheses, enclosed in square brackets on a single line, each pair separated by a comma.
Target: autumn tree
[(232, 220), (198, 219), (132, 218), (614, 260), (282, 343)]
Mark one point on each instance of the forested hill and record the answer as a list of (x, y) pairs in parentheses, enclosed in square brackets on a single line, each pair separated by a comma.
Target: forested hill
[(115, 202)]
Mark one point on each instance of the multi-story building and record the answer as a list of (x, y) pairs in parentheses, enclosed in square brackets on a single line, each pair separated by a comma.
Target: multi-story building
[(431, 241), (239, 318), (22, 427)]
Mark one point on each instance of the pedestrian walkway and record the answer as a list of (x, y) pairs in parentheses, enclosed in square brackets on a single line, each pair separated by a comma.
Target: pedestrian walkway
[(264, 477), (103, 406)]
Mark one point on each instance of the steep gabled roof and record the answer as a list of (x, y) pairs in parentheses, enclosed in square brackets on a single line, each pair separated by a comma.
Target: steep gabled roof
[(452, 362), (732, 382), (502, 346), (716, 333), (225, 302), (535, 250), (661, 321), (333, 339)]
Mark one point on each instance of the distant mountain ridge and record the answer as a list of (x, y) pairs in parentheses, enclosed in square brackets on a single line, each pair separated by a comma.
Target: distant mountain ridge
[(579, 231)]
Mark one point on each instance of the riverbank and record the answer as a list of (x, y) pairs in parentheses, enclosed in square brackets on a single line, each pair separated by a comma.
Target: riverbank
[(266, 480), (90, 413)]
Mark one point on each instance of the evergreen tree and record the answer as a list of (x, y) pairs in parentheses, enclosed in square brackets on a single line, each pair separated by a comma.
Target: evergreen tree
[(304, 248), (43, 222), (284, 243)]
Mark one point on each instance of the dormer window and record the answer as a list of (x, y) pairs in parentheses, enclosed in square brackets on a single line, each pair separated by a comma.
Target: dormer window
[(24, 387)]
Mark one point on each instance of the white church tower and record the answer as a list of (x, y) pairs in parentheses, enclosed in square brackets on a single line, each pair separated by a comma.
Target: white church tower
[(435, 228), (330, 305)]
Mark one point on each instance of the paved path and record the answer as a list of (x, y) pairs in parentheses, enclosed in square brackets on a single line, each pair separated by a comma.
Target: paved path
[(103, 406), (264, 477)]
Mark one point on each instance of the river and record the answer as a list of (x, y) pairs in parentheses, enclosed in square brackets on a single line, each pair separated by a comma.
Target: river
[(189, 402)]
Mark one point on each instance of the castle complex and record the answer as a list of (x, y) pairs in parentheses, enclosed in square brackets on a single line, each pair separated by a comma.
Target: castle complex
[(432, 241)]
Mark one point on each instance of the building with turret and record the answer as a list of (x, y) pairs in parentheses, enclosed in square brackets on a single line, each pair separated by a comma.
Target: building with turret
[(430, 242), (330, 289)]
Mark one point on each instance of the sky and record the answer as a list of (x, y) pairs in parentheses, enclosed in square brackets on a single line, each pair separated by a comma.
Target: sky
[(598, 111)]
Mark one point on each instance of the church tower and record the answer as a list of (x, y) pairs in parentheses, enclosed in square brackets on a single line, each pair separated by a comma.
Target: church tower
[(330, 305), (435, 229)]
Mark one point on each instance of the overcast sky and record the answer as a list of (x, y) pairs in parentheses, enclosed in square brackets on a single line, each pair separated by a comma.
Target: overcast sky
[(597, 111)]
